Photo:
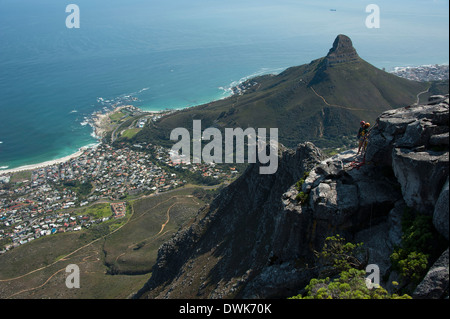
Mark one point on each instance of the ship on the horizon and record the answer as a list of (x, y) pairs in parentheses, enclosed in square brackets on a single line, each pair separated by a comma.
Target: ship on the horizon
[(333, 10)]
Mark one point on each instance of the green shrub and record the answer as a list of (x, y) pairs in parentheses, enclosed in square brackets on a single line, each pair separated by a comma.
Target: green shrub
[(302, 198), (420, 246), (351, 284), (412, 266), (299, 184), (341, 256)]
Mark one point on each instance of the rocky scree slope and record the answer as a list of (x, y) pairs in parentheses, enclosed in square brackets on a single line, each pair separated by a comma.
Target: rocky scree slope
[(256, 240)]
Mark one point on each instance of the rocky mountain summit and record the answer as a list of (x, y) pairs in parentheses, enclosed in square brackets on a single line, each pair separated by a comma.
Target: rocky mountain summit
[(257, 238), (342, 51)]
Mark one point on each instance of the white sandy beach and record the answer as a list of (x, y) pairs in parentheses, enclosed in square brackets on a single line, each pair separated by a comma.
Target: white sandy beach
[(43, 164), (99, 129), (101, 123)]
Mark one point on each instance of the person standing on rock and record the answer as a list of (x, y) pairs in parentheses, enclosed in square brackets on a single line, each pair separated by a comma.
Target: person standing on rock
[(361, 135), (365, 133)]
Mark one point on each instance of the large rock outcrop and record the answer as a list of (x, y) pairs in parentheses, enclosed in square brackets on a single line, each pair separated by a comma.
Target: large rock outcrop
[(414, 141), (436, 282), (363, 204), (441, 211), (258, 237), (342, 51)]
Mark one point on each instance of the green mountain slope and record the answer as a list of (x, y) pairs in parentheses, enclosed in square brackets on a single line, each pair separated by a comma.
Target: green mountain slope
[(322, 102)]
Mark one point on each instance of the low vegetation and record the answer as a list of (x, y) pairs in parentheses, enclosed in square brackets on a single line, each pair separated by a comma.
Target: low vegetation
[(115, 257), (83, 189), (343, 265), (302, 197), (351, 284), (97, 211), (420, 247)]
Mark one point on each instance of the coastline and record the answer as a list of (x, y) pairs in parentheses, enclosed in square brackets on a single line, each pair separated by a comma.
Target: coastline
[(99, 122), (45, 164)]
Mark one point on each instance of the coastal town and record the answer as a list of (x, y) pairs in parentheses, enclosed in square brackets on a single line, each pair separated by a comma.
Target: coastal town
[(53, 199), (424, 73)]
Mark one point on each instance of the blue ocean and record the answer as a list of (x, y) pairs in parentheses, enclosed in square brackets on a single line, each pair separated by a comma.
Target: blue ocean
[(175, 54)]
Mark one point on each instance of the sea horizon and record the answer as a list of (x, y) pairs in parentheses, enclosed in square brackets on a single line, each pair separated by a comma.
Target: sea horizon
[(161, 56)]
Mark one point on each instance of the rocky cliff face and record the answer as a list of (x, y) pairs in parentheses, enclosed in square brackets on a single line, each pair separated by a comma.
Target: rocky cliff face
[(231, 241), (414, 141), (256, 240)]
